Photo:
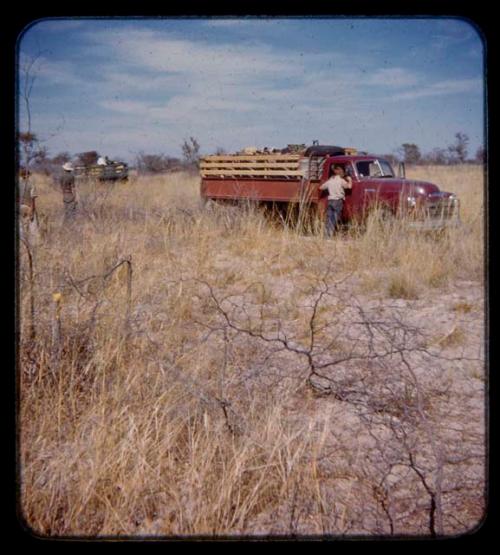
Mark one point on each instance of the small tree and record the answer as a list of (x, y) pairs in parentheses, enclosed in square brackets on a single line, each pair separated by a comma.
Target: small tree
[(156, 163), (88, 158), (410, 153), (437, 156), (27, 140), (61, 158), (30, 148), (191, 152), (480, 155), (41, 162), (458, 151), (150, 163)]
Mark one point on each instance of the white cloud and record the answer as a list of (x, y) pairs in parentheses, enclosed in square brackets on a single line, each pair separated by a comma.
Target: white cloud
[(132, 82), (224, 61), (236, 91), (393, 77), (60, 73), (452, 33), (52, 72), (125, 106), (440, 88)]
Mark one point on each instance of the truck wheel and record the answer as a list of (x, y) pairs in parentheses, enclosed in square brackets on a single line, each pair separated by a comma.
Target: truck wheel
[(207, 204), (386, 214), (380, 215)]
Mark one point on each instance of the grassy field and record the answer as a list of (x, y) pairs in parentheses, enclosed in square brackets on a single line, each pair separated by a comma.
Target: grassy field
[(211, 372)]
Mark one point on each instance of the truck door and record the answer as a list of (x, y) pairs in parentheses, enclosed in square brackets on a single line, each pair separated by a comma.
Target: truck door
[(351, 195), (367, 190), (351, 201)]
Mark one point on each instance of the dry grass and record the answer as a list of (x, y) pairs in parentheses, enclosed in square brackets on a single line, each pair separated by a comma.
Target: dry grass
[(122, 427)]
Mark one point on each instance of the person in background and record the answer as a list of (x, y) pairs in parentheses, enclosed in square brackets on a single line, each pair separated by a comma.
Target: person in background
[(67, 184), (336, 186)]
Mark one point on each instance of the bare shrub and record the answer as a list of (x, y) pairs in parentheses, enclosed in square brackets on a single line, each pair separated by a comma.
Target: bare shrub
[(244, 378)]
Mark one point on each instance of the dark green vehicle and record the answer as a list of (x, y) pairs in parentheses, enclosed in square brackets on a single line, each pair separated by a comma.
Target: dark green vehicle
[(113, 171)]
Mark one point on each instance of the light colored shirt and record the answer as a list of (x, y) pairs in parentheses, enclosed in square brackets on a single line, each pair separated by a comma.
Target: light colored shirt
[(101, 161), (336, 186)]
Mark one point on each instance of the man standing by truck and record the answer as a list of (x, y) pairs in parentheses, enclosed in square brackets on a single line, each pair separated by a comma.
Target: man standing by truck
[(336, 186)]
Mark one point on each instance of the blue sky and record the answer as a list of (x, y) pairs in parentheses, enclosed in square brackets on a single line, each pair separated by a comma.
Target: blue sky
[(125, 86)]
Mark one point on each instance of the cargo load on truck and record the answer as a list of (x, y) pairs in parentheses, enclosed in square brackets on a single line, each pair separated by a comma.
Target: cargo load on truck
[(293, 162), (111, 171)]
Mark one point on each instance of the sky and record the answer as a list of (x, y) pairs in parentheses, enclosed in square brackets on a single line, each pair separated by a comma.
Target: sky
[(124, 86)]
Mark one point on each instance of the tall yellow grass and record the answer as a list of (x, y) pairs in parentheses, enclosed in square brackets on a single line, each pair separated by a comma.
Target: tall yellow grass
[(121, 432)]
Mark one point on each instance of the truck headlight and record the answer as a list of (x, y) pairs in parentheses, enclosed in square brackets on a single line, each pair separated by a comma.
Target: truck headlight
[(455, 205)]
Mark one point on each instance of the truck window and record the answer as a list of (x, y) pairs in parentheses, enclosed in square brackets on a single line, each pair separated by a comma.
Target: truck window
[(346, 167), (386, 168), (374, 168), (368, 169)]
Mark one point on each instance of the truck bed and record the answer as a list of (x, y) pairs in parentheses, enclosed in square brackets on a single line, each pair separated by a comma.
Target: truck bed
[(272, 166), (276, 177), (110, 172), (267, 190)]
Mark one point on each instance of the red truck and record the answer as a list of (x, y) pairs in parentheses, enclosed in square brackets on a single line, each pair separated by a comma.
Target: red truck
[(295, 177)]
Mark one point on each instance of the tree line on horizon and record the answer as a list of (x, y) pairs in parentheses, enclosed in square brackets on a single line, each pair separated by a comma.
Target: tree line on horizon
[(36, 156), (455, 153)]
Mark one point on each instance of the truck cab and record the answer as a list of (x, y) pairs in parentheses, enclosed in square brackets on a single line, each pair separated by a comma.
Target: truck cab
[(376, 185)]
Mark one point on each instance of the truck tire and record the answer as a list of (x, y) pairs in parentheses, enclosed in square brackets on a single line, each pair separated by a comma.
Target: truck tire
[(380, 215), (207, 204), (386, 214)]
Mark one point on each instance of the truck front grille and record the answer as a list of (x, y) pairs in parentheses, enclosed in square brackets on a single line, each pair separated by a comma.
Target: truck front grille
[(442, 209)]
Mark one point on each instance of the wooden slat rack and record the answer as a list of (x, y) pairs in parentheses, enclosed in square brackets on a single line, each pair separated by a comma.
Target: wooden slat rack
[(259, 165)]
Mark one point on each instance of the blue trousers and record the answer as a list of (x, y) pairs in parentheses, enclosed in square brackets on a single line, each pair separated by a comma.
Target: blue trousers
[(333, 213)]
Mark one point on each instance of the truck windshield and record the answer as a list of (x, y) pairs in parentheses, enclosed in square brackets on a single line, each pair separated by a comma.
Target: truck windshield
[(374, 168)]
